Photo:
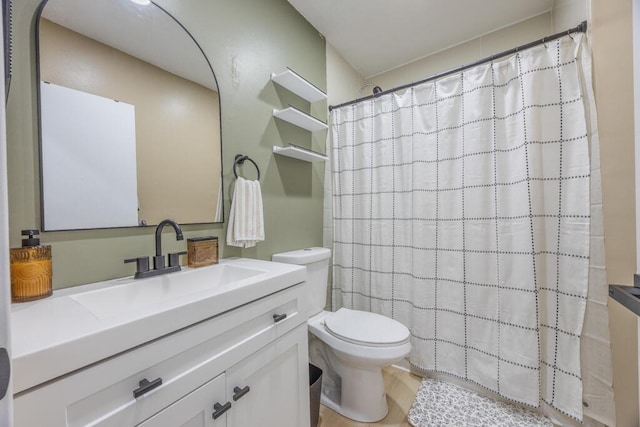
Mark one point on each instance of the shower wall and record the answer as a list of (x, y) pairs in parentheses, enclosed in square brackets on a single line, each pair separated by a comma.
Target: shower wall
[(343, 83), (613, 81), (567, 13), (471, 51), (611, 32), (611, 35)]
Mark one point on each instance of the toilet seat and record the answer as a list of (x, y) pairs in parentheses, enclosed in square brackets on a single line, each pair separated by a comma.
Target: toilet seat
[(364, 328)]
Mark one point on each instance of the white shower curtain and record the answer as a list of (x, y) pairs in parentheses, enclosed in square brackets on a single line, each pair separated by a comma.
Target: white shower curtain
[(462, 208)]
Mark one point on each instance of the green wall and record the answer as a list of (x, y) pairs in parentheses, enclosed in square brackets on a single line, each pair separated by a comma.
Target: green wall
[(245, 41)]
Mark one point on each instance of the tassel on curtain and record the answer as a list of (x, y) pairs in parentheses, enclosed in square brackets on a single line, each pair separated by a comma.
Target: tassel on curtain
[(462, 208)]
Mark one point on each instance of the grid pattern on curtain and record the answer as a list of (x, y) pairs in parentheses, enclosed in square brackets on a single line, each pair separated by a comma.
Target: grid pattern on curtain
[(461, 209)]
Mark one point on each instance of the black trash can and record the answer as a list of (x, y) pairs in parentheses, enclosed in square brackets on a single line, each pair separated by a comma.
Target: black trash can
[(315, 387)]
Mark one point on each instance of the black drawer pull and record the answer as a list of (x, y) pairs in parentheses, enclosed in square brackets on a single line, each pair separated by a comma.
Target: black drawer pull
[(220, 409), (239, 392), (279, 317), (146, 386)]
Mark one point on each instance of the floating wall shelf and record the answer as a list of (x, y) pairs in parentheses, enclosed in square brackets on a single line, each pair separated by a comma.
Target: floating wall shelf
[(299, 85), (299, 153), (300, 119)]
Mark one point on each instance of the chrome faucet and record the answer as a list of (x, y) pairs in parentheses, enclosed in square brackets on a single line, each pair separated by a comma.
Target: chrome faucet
[(159, 267)]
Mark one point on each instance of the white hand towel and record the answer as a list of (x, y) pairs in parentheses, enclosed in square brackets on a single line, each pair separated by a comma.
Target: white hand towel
[(246, 219)]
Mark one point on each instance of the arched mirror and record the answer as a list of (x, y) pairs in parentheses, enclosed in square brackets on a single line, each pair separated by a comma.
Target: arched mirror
[(129, 118)]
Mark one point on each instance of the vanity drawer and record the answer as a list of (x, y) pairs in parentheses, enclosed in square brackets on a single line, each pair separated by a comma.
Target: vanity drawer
[(103, 394)]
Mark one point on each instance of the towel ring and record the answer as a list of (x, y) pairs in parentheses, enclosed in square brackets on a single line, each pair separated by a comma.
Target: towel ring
[(239, 159)]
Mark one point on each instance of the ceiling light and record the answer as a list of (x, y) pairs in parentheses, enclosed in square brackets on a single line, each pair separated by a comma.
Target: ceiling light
[(142, 2)]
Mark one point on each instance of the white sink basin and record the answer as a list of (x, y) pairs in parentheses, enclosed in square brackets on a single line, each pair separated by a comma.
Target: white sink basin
[(82, 325), (139, 294)]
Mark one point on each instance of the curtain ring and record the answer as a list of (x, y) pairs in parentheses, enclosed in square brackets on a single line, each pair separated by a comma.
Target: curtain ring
[(570, 34)]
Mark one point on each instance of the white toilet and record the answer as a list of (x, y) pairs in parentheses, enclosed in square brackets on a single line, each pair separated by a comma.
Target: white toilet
[(351, 347)]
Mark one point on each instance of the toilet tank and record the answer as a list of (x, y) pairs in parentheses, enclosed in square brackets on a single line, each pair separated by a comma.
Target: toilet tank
[(317, 262)]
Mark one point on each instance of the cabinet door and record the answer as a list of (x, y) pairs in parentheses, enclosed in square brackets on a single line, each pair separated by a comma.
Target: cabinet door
[(195, 409), (278, 381)]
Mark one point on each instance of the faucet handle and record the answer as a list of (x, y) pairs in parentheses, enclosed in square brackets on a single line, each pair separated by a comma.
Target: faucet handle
[(142, 263), (174, 259), (158, 262)]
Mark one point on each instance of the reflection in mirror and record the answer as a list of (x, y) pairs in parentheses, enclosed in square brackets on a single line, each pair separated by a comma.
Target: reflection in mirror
[(129, 118)]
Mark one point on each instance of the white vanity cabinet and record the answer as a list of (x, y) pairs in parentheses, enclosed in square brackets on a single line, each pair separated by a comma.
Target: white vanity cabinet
[(278, 381), (195, 409), (261, 345), (273, 391)]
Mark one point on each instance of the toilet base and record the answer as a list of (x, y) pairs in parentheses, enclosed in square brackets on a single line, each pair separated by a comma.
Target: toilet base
[(352, 391), (365, 405), (352, 383)]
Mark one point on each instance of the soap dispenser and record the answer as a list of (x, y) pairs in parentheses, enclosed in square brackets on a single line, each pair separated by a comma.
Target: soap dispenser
[(30, 269)]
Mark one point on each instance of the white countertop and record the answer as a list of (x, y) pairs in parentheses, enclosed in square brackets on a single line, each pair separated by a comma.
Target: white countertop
[(73, 328)]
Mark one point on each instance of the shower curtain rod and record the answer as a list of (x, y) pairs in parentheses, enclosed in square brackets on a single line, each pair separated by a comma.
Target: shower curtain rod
[(581, 28)]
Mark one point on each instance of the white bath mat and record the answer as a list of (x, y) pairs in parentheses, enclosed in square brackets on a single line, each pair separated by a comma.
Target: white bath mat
[(440, 404)]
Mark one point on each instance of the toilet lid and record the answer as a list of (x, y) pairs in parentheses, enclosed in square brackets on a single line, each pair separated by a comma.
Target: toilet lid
[(361, 327)]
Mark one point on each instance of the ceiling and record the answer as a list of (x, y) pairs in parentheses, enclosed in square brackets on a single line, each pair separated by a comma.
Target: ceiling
[(375, 36)]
